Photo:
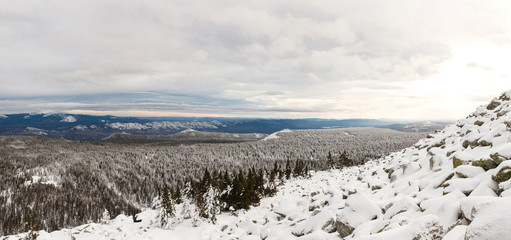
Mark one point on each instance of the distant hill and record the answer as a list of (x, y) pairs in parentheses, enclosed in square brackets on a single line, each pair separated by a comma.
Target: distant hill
[(87, 127), (185, 137), (419, 127)]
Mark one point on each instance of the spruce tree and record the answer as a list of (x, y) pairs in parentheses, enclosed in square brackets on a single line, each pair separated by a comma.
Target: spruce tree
[(167, 206), (288, 169), (260, 182), (250, 197), (225, 189), (177, 195), (330, 161), (344, 160), (298, 170), (236, 195)]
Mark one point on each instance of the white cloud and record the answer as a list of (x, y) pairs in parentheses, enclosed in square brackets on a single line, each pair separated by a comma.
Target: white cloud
[(360, 56)]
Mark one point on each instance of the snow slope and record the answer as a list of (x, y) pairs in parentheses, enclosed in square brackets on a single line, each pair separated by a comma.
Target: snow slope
[(68, 119), (455, 184), (275, 135)]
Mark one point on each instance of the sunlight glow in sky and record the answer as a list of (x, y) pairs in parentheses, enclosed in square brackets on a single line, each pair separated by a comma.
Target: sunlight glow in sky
[(396, 59)]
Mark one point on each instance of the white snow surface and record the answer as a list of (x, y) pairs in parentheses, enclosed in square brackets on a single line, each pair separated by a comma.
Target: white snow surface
[(80, 127), (275, 134), (68, 119), (37, 131), (421, 192), (51, 180)]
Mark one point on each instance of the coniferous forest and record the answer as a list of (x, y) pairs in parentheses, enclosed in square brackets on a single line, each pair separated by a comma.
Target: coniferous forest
[(49, 183)]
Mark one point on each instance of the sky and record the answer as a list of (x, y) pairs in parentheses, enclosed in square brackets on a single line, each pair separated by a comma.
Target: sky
[(393, 59)]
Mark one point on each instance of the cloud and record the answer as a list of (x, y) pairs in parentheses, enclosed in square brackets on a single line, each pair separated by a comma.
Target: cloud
[(482, 67), (300, 57), (157, 109), (274, 93), (486, 69)]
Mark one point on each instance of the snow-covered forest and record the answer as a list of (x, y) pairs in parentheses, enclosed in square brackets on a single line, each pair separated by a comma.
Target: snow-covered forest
[(53, 183)]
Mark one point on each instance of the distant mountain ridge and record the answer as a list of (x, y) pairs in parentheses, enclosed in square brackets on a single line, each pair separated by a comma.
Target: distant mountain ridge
[(88, 127)]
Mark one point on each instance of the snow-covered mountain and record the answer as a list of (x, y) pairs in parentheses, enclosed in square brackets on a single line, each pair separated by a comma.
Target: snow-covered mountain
[(87, 127), (419, 127), (455, 184), (166, 125)]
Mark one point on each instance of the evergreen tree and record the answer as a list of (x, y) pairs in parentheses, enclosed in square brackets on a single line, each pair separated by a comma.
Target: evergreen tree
[(288, 169), (177, 195), (330, 161), (225, 189), (250, 196), (271, 184), (260, 182), (208, 199), (344, 160), (105, 217), (299, 169), (205, 182), (167, 207), (274, 173), (238, 197)]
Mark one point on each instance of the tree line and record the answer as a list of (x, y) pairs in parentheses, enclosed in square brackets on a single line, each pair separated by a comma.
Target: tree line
[(221, 191)]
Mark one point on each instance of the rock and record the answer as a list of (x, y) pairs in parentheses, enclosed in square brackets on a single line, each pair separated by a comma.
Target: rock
[(329, 226), (493, 104), (485, 164), (456, 162), (343, 229), (503, 175)]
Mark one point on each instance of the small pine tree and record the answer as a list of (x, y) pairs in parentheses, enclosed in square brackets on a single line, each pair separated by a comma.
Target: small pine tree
[(344, 160), (211, 205), (330, 161), (205, 182), (299, 169), (288, 169), (105, 217), (274, 173), (250, 197), (177, 195), (31, 226), (225, 189), (307, 171), (167, 204), (260, 182)]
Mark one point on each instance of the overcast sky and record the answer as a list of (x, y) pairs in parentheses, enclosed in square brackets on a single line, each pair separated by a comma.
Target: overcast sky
[(393, 59)]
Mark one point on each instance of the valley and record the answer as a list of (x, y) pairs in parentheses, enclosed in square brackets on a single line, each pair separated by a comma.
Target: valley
[(63, 183)]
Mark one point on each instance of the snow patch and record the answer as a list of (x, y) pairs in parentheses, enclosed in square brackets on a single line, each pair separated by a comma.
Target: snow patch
[(189, 130), (491, 220), (275, 134), (68, 119), (80, 127), (50, 180), (36, 131)]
